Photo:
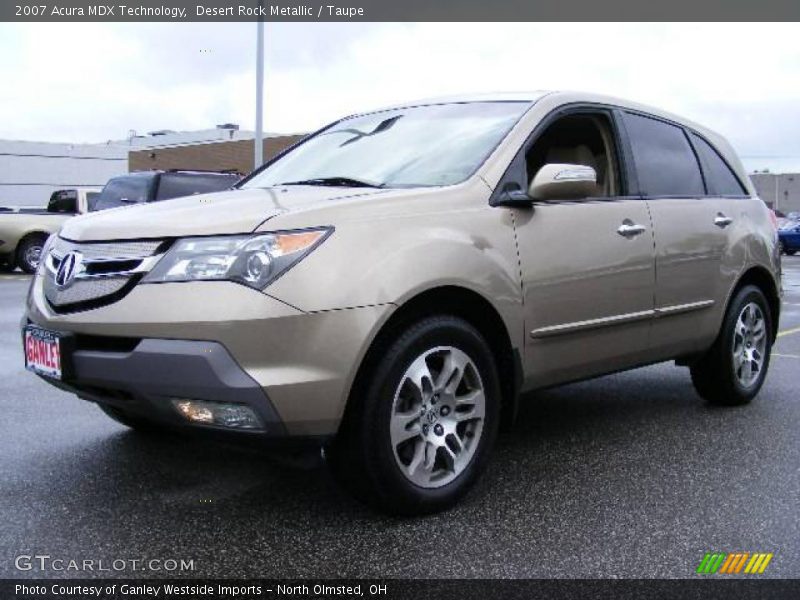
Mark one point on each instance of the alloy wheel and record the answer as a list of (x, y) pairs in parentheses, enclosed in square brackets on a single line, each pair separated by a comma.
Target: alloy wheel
[(437, 417), (749, 345)]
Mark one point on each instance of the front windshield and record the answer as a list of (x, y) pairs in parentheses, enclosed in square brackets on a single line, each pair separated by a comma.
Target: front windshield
[(422, 146)]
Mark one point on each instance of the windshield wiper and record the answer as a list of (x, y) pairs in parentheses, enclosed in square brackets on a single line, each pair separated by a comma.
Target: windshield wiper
[(334, 182)]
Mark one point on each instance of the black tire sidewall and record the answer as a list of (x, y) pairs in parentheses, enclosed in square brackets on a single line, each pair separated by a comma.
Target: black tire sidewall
[(389, 483), (29, 243)]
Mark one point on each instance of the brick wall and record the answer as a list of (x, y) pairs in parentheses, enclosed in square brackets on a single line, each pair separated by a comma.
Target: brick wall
[(236, 155)]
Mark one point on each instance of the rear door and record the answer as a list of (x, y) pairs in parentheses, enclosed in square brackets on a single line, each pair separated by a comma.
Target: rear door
[(691, 231)]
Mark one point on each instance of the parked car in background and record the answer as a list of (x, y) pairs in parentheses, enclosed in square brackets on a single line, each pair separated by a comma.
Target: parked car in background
[(789, 237), (23, 230), (390, 285), (151, 186)]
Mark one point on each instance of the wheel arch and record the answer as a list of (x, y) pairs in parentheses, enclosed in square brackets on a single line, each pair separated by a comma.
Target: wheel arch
[(760, 277), (463, 303)]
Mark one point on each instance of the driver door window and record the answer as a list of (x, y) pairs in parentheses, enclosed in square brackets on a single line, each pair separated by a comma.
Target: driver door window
[(579, 140)]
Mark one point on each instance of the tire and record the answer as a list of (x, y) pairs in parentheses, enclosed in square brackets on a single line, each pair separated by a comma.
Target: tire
[(139, 425), (790, 252), (721, 376), (28, 253), (447, 442)]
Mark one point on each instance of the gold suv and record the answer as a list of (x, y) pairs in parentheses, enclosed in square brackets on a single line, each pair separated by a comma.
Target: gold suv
[(390, 285)]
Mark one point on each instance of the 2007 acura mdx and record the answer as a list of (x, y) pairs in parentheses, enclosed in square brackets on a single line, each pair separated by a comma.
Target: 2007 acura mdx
[(389, 286)]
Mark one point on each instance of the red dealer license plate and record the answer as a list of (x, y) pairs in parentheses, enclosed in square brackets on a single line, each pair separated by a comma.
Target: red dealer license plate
[(44, 352)]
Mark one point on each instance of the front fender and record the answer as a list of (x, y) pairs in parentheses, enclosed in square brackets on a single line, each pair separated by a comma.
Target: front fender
[(390, 260)]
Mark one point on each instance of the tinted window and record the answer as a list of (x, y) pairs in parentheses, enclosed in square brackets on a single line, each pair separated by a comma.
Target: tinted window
[(665, 162), (719, 177), (175, 185), (123, 191), (63, 201)]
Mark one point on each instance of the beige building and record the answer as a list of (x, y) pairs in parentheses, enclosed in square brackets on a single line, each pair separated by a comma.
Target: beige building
[(781, 191)]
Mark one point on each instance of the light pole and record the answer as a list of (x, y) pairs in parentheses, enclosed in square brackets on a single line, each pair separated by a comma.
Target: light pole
[(258, 156)]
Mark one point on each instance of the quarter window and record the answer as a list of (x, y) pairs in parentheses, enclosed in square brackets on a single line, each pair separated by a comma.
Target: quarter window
[(665, 162), (719, 178)]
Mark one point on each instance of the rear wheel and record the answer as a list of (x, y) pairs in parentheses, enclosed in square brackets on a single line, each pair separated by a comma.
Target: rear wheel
[(419, 435), (734, 369), (30, 252), (791, 252)]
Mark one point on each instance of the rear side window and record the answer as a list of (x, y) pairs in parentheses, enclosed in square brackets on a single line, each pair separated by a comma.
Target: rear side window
[(665, 162), (719, 178), (175, 185)]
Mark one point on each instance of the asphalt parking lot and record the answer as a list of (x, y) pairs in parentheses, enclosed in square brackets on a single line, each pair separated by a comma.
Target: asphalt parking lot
[(630, 475)]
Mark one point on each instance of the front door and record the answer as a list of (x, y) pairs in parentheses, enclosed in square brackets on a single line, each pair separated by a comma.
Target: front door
[(587, 266)]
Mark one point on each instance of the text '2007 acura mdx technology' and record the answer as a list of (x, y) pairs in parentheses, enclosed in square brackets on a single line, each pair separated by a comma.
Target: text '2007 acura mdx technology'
[(390, 285)]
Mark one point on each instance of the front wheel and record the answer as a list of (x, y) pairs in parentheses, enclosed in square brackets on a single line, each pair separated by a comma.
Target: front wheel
[(420, 434), (734, 369)]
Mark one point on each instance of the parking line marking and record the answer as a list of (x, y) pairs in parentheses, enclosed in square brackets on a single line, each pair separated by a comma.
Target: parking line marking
[(789, 332), (785, 355)]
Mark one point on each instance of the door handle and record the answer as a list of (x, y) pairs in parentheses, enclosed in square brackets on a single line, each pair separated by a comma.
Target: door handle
[(629, 229), (722, 221)]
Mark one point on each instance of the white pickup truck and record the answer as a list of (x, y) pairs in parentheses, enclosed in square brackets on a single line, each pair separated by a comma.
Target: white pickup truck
[(23, 231)]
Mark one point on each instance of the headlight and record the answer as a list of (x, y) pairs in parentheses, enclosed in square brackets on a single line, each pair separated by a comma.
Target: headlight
[(253, 260)]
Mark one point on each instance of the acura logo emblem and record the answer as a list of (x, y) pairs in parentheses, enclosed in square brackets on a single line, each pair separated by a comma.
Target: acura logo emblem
[(70, 266)]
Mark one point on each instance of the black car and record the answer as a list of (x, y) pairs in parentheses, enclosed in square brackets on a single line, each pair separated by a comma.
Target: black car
[(152, 186)]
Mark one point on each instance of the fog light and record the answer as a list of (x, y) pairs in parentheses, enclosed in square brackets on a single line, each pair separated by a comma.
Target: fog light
[(237, 416)]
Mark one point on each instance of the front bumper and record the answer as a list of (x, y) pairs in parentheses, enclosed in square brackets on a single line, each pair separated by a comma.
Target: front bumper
[(144, 381), (215, 341)]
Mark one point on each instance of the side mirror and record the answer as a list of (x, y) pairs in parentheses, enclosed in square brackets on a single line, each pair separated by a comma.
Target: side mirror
[(557, 182)]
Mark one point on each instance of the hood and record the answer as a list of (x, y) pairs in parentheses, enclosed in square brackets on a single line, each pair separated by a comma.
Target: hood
[(229, 212)]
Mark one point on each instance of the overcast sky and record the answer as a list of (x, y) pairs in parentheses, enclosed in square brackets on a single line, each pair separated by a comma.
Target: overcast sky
[(94, 82)]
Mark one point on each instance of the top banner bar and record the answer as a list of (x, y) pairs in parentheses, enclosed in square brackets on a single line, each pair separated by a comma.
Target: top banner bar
[(397, 10)]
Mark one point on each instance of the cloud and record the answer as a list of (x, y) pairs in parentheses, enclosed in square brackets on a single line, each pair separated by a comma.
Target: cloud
[(92, 82)]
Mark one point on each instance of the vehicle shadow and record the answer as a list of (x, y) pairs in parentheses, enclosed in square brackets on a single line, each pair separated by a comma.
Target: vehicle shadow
[(555, 430)]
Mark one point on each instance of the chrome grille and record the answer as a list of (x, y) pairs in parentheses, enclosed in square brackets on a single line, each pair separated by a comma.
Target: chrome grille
[(105, 250), (82, 291), (94, 274)]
